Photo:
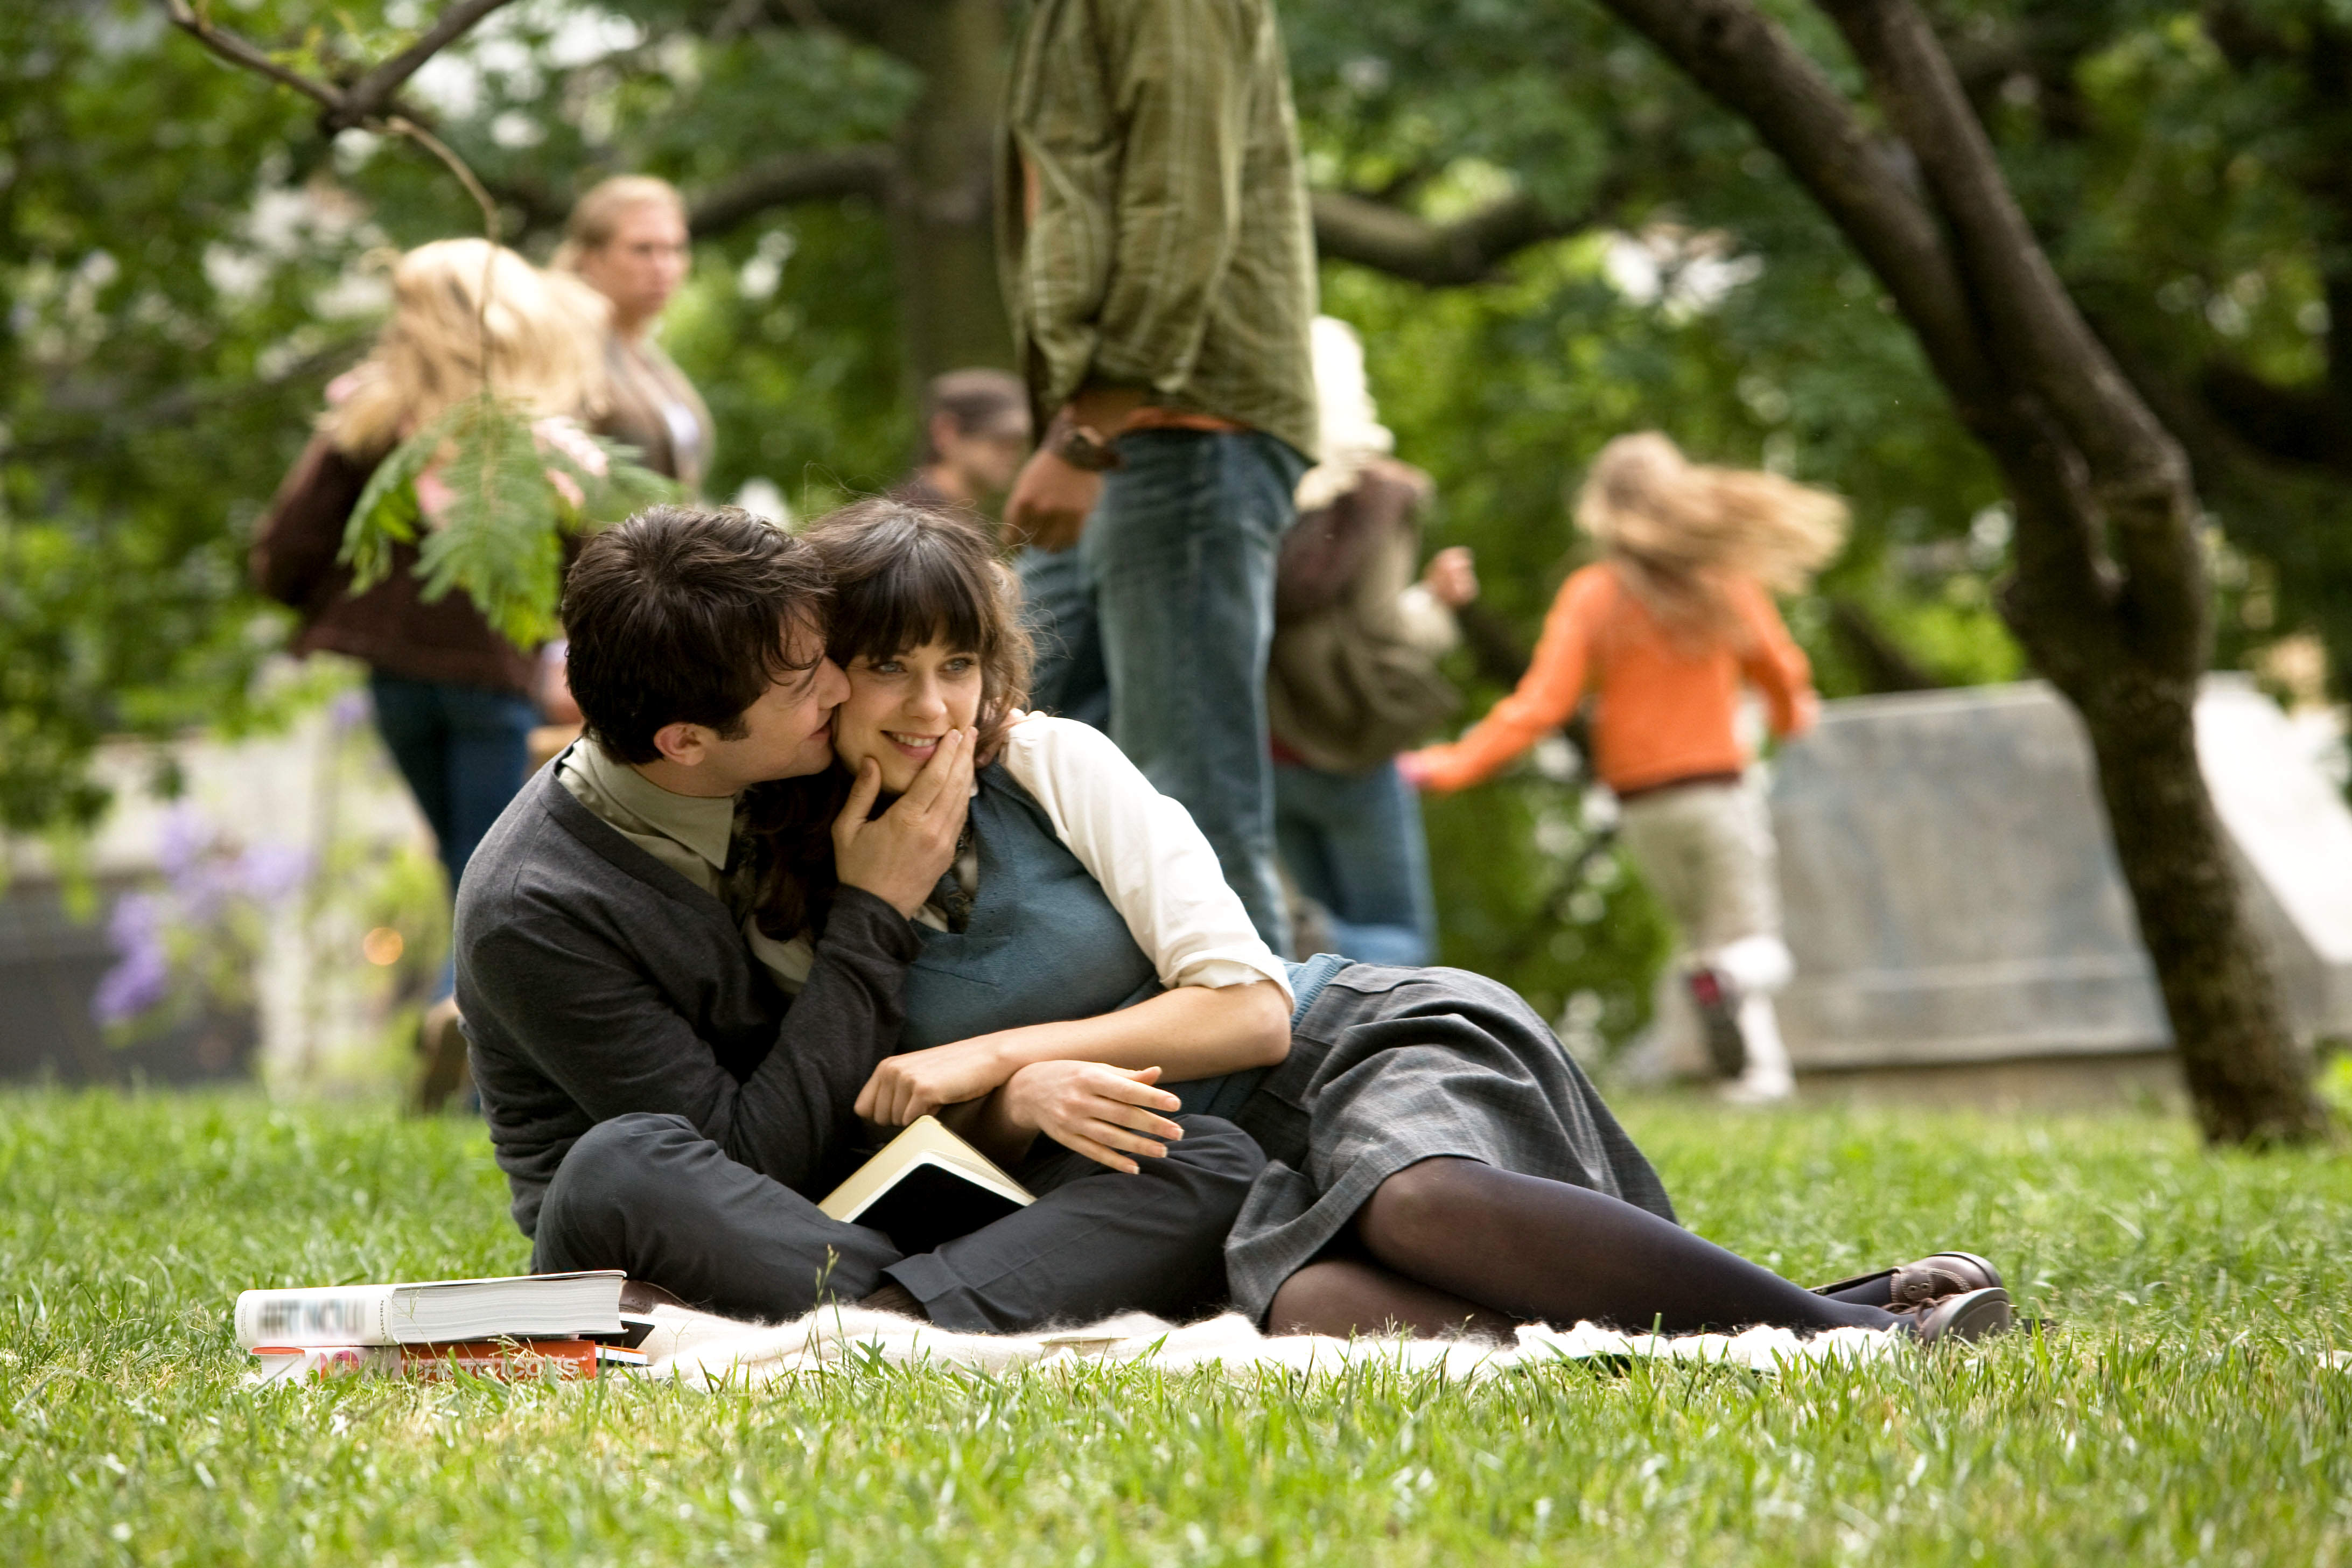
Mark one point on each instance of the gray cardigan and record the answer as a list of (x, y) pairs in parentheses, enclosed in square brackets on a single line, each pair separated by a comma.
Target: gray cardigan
[(596, 981)]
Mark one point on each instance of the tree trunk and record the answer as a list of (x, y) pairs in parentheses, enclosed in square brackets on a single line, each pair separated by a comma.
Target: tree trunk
[(2247, 1079), (941, 196)]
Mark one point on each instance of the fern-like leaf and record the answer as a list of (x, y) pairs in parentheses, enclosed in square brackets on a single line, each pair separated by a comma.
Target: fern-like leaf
[(386, 514), (500, 538)]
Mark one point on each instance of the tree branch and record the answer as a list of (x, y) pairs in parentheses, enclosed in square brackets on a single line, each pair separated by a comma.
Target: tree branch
[(792, 177), (2042, 337), (2136, 472), (365, 100), (1469, 250), (1749, 65), (239, 53), (372, 94)]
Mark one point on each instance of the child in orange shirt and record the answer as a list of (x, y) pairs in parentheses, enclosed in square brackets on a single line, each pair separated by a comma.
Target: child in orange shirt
[(1663, 629)]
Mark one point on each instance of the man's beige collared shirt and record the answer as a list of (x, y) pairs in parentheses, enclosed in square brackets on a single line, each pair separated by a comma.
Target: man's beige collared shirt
[(691, 835)]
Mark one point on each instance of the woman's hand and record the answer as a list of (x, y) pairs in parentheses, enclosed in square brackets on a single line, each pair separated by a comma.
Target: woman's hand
[(1452, 576), (919, 1083), (1094, 1110)]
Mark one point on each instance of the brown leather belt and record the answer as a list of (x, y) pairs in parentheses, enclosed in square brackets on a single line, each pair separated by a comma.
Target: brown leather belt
[(1686, 781)]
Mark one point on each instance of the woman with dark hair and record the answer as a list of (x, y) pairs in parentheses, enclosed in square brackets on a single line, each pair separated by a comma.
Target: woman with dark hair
[(1437, 1160)]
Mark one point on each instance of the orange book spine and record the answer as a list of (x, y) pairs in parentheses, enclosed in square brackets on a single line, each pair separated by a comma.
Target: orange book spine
[(510, 1361)]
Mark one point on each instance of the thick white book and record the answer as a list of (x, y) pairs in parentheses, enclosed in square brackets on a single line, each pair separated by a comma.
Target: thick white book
[(925, 1187), (521, 1306)]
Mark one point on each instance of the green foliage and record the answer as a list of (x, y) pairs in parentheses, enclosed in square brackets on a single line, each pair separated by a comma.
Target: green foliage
[(790, 329), (2185, 1409), (515, 490), (166, 345)]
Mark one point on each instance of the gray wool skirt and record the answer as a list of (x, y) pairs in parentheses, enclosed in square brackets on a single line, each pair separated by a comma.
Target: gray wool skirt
[(1391, 1067)]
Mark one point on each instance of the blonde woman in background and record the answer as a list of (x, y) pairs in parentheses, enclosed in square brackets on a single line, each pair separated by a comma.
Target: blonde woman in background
[(452, 697), (1663, 630), (627, 239)]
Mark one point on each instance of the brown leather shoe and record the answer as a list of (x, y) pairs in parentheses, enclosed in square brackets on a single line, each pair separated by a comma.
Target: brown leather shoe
[(1971, 1315), (1929, 1279), (441, 1041)]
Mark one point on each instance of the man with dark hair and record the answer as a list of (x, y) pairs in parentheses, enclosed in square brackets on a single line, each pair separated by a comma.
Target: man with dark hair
[(665, 1099), (976, 432), (1159, 269)]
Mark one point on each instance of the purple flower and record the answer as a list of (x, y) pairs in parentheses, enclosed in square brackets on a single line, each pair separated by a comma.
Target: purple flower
[(347, 712), (268, 872), (142, 975), (184, 841)]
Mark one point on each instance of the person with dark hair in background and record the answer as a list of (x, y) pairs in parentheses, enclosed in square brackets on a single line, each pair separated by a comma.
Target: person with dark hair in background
[(976, 430), (662, 1100), (1159, 268)]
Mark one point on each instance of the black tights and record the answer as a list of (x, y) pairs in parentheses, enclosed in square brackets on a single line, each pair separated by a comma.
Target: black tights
[(1454, 1244)]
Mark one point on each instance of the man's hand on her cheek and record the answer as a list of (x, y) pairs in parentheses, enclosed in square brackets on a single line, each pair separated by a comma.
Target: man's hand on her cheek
[(901, 856)]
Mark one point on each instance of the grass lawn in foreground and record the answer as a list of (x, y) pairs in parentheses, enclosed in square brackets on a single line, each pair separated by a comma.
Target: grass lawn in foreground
[(2189, 1410)]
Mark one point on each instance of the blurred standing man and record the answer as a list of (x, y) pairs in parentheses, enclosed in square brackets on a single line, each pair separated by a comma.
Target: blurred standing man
[(1160, 270), (976, 430), (626, 239)]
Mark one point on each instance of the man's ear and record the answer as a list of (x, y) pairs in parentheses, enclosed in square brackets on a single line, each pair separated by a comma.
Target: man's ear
[(683, 743)]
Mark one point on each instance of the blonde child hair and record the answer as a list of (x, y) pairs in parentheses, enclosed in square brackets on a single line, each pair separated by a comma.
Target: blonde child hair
[(543, 333), (1678, 531)]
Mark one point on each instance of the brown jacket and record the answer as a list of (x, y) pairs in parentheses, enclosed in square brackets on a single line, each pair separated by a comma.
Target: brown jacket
[(390, 626)]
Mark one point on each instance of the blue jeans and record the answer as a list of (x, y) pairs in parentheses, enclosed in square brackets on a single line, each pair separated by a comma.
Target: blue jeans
[(1353, 843), (1059, 594), (1173, 584), (462, 748)]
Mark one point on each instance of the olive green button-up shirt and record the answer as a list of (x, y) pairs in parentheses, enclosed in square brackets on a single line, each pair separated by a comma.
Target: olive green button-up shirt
[(1152, 217)]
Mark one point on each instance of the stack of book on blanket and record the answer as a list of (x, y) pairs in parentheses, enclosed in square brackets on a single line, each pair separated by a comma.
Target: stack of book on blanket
[(520, 1328), (925, 1187)]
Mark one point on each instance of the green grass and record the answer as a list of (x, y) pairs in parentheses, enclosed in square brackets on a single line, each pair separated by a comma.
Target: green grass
[(2186, 1411)]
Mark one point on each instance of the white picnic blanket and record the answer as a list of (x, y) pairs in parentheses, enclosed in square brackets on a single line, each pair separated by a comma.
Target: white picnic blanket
[(711, 1354)]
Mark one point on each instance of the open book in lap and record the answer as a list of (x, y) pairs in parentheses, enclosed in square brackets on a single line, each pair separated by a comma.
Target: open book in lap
[(927, 1186)]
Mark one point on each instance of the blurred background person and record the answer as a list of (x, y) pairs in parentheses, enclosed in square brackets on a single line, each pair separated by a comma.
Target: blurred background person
[(976, 434), (1352, 678), (452, 698), (1663, 629), (626, 238), (1158, 258)]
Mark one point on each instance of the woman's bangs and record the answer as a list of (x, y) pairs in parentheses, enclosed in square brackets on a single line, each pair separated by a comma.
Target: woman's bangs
[(921, 594)]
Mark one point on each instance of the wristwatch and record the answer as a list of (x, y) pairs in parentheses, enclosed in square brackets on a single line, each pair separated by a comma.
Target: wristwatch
[(1083, 447)]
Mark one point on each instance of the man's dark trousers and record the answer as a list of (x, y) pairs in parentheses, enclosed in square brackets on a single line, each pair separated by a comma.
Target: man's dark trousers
[(650, 1195)]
